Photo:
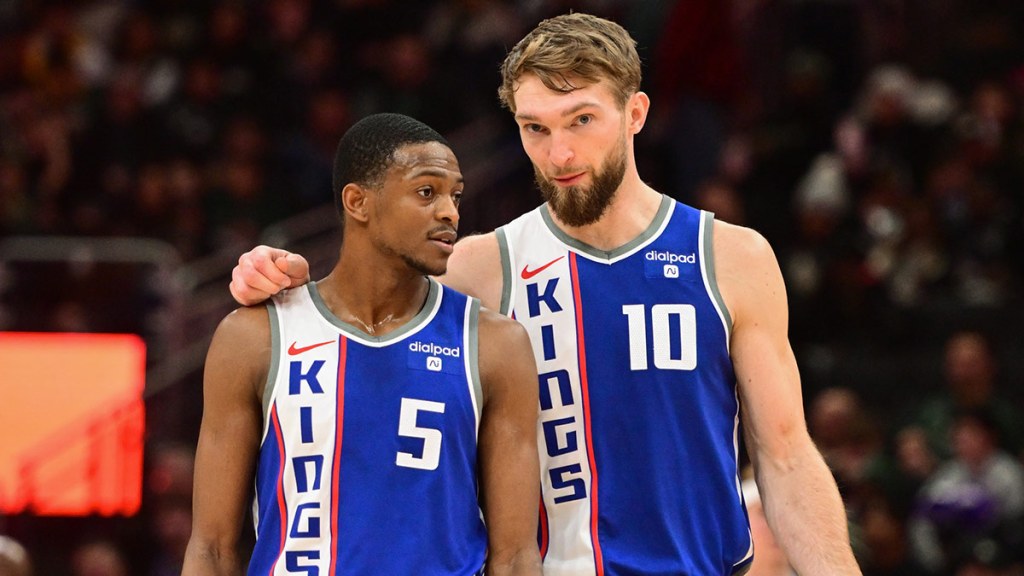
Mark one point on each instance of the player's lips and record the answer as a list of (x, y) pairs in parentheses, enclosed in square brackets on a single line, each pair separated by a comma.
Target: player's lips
[(570, 179), (445, 239)]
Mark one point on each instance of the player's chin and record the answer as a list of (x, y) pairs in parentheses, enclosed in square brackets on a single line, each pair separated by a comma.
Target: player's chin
[(440, 271), (435, 266)]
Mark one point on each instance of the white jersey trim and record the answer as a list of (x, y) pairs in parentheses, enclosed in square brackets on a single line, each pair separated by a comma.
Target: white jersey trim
[(470, 337), (705, 245), (653, 231), (410, 328)]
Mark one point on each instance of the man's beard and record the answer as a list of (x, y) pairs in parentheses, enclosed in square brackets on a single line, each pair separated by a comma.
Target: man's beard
[(579, 206), (424, 268), (415, 263)]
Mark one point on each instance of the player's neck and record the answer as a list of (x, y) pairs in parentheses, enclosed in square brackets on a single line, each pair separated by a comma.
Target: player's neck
[(375, 299), (630, 214)]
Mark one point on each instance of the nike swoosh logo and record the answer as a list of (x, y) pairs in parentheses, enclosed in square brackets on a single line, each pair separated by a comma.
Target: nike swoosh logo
[(292, 350), (527, 274)]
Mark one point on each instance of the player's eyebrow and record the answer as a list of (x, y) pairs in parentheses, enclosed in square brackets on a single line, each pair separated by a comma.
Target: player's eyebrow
[(566, 112)]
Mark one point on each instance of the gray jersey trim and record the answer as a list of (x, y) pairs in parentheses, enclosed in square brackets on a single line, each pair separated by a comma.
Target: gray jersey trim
[(473, 350), (506, 272), (708, 258), (275, 357), (659, 218), (433, 295)]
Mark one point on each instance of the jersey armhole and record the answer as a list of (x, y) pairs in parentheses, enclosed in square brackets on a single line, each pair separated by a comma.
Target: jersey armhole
[(275, 355), (473, 357), (707, 259), (505, 254)]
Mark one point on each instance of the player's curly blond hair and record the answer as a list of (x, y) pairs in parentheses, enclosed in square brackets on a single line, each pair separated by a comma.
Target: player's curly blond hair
[(571, 51)]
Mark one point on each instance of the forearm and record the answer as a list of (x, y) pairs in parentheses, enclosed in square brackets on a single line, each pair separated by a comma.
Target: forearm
[(210, 561), (524, 562), (804, 510)]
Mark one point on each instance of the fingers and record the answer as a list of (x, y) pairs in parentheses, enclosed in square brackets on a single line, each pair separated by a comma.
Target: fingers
[(296, 267), (257, 277)]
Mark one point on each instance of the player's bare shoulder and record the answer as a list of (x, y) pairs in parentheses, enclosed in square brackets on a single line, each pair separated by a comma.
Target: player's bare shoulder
[(246, 327), (745, 266), (505, 353), (241, 348), (474, 268), (499, 333)]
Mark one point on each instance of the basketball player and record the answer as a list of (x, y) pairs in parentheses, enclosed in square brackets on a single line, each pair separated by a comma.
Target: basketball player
[(656, 330), (364, 404)]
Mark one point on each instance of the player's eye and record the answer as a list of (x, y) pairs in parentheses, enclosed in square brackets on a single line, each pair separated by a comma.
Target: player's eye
[(457, 197), (425, 192), (585, 119), (533, 128)]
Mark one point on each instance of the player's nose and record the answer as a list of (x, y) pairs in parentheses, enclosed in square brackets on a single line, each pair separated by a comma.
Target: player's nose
[(446, 209), (561, 153)]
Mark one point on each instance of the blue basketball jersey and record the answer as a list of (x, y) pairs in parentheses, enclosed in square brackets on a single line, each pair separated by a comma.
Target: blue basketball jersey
[(639, 414), (368, 458)]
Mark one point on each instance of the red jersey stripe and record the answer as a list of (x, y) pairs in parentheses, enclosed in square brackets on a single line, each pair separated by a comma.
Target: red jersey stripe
[(598, 559), (338, 433), (282, 509), (543, 530)]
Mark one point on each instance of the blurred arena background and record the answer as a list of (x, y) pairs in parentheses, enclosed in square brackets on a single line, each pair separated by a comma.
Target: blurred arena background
[(878, 144)]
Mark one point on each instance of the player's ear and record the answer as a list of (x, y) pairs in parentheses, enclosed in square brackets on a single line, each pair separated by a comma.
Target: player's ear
[(636, 109), (354, 199)]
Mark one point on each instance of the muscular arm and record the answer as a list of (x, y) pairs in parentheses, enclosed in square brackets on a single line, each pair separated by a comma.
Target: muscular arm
[(507, 445), (800, 498), (474, 268), (236, 369)]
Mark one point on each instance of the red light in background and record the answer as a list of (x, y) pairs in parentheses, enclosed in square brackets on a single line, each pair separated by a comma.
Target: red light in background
[(71, 423)]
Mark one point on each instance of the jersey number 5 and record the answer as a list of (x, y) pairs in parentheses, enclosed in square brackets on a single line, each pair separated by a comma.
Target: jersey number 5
[(673, 332), (431, 437)]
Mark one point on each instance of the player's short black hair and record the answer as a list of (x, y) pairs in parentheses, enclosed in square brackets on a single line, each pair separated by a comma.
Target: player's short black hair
[(367, 149)]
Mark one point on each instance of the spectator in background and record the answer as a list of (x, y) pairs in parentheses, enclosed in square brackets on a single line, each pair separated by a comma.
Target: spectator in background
[(884, 549), (98, 558), (723, 200), (915, 462), (975, 498), (845, 434), (821, 263), (169, 484), (140, 53), (978, 216), (988, 558), (305, 161), (402, 81), (468, 37), (171, 526), (58, 58), (187, 188), (696, 78), (14, 560), (876, 489), (970, 371)]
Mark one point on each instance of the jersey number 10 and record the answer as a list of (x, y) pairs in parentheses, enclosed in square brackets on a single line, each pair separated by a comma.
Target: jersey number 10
[(673, 333)]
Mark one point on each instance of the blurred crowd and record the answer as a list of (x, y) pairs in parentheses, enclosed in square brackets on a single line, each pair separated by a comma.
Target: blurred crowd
[(939, 489), (878, 144)]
